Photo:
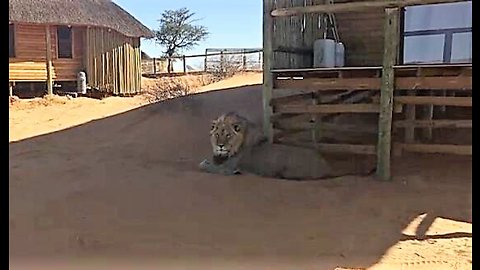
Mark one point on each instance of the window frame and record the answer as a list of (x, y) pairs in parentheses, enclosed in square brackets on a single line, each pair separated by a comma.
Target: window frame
[(12, 27), (71, 56), (447, 39)]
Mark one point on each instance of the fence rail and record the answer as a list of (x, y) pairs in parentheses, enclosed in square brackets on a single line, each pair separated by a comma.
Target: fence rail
[(213, 59)]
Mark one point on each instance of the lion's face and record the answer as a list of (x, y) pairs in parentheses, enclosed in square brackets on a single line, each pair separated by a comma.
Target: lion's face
[(227, 135)]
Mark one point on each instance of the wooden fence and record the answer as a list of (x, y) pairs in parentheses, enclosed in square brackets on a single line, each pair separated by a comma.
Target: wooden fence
[(239, 60)]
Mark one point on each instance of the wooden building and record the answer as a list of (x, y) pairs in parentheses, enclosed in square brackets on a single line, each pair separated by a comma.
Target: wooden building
[(53, 40), (394, 70)]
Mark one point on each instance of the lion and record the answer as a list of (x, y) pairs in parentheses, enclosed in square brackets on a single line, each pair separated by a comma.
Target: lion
[(238, 146)]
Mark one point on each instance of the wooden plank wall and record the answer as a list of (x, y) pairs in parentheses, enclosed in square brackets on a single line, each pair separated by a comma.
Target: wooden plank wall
[(113, 61), (29, 63), (361, 33)]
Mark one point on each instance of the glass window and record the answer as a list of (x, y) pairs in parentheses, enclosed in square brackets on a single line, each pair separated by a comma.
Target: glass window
[(440, 33), (439, 16), (415, 52), (11, 40), (64, 40), (462, 47)]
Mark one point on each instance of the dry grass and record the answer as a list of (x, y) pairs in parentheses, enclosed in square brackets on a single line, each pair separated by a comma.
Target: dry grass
[(172, 87), (226, 68), (155, 90), (17, 103)]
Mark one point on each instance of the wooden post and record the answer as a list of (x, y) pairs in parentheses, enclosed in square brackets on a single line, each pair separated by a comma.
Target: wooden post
[(390, 56), (267, 66), (49, 60), (10, 88), (154, 66), (427, 114), (443, 109), (222, 62), (205, 61), (184, 64), (410, 112), (315, 119), (260, 57), (244, 60)]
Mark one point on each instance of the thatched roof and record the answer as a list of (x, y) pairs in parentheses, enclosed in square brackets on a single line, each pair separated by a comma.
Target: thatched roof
[(145, 56), (102, 13)]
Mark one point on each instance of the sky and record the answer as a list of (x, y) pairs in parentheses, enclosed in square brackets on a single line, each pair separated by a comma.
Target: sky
[(232, 24)]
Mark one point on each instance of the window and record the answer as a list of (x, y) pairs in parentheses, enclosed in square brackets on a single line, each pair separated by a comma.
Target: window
[(440, 33), (11, 40), (64, 40)]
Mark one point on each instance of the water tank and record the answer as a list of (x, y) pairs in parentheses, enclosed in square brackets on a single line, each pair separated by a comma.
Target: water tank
[(324, 53), (82, 82), (339, 54)]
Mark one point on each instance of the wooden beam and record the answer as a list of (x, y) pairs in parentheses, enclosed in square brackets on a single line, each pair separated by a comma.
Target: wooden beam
[(436, 101), (325, 69), (322, 84), (288, 95), (283, 49), (294, 97), (331, 108), (327, 127), (435, 66), (354, 6), (434, 123), (391, 45), (401, 83), (434, 83), (347, 148), (284, 93), (436, 148), (268, 6), (337, 148), (49, 60)]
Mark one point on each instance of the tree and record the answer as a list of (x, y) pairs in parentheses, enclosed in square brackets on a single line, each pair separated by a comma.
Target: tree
[(178, 33)]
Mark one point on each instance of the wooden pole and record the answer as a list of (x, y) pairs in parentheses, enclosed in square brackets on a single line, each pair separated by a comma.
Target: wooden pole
[(354, 6), (184, 64), (410, 116), (205, 61), (244, 60), (267, 66), (390, 56), (222, 62), (427, 115), (49, 60), (443, 108), (154, 66), (316, 125)]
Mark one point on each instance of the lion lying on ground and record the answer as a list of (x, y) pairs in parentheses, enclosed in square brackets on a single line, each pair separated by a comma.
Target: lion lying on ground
[(239, 146)]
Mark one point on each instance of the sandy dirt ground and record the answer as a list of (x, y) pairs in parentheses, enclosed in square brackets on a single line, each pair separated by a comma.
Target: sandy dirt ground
[(30, 118), (93, 190)]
